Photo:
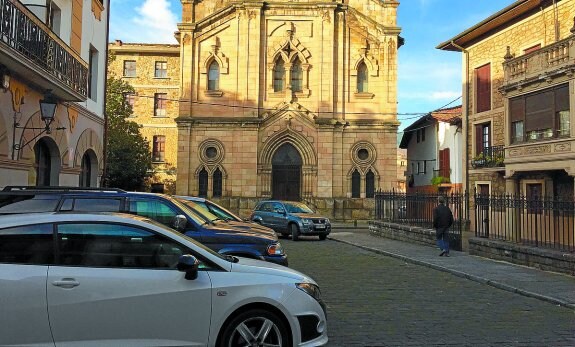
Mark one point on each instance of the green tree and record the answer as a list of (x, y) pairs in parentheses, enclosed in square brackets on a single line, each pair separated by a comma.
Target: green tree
[(129, 163)]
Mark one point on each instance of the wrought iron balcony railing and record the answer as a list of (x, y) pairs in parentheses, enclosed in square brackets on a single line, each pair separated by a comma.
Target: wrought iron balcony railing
[(535, 64), (489, 157), (22, 31)]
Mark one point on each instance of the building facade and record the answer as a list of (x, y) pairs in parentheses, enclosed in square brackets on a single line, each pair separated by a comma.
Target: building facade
[(153, 70), (434, 145), (52, 53), (291, 101), (519, 88)]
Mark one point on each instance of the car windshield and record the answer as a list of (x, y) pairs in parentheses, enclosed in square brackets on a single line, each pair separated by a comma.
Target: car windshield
[(295, 207), (201, 209), (190, 212), (222, 212)]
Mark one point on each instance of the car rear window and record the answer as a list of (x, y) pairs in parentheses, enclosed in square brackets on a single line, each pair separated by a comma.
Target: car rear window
[(91, 205), (28, 203)]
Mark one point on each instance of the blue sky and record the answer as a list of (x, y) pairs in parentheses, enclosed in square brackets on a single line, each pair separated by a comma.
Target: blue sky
[(427, 78)]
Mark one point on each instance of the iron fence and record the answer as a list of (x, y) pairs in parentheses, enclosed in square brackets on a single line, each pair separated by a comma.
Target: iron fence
[(417, 210), (546, 222)]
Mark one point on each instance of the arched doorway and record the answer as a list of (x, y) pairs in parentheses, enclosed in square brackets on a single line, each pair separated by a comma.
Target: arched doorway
[(286, 173), (89, 169), (47, 163)]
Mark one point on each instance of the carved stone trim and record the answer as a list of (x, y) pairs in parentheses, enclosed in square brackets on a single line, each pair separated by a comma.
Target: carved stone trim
[(563, 147)]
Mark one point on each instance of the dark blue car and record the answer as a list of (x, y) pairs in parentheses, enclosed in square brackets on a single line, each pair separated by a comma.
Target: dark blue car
[(220, 236)]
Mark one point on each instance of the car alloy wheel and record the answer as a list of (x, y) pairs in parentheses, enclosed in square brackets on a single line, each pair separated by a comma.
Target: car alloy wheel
[(294, 232), (255, 328)]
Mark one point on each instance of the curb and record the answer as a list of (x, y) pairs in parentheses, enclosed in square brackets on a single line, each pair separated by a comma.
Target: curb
[(465, 275)]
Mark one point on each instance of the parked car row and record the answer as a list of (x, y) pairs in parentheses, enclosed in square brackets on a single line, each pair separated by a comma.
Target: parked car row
[(87, 266)]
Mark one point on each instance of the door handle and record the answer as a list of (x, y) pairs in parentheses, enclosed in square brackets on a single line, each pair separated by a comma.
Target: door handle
[(67, 283)]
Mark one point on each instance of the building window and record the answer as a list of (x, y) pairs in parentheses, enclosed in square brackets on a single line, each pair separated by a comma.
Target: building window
[(214, 76), (362, 78), (159, 148), (369, 184), (160, 103), (217, 183), (482, 137), (483, 88), (418, 168), (203, 183), (296, 74), (355, 184), (540, 116), (129, 99), (444, 163), (93, 74), (532, 49), (129, 68), (55, 18), (422, 134), (279, 75), (161, 70)]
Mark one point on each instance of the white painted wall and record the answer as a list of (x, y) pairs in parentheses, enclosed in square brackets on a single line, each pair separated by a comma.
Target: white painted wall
[(424, 153), (450, 136)]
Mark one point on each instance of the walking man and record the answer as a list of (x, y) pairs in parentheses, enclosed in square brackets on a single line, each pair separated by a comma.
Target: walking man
[(442, 220)]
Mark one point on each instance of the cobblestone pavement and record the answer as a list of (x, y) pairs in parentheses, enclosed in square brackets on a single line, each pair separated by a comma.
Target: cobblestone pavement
[(375, 300)]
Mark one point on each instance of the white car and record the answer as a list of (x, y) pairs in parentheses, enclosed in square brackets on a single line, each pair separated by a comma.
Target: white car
[(122, 280)]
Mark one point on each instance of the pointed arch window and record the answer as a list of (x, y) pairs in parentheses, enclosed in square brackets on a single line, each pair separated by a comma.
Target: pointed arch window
[(279, 75), (369, 184), (355, 184), (214, 76), (203, 183), (362, 78), (217, 183), (296, 74)]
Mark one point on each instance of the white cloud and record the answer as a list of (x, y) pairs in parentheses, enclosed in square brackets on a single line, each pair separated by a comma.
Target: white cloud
[(152, 21)]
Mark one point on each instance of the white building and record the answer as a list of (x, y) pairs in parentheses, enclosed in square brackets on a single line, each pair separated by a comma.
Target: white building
[(434, 152), (52, 50)]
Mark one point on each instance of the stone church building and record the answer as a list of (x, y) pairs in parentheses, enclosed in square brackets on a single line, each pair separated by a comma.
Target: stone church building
[(288, 100)]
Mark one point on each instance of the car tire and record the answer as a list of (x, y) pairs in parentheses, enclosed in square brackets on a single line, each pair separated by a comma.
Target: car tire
[(322, 236), (294, 232), (252, 323)]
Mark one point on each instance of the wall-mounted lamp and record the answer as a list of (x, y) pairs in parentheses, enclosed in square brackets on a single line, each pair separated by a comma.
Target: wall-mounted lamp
[(48, 107), (4, 78)]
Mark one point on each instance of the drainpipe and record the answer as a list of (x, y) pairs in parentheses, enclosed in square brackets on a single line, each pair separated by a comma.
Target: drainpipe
[(466, 116), (103, 181)]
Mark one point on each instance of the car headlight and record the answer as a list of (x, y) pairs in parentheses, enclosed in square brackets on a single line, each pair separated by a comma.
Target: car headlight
[(311, 289), (275, 249), (306, 221), (327, 221)]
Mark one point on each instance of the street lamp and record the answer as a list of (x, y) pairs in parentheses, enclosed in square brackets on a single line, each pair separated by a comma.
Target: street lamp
[(48, 109)]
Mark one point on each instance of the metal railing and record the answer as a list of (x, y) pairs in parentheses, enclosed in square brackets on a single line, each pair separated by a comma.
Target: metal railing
[(493, 156), (417, 210), (21, 30), (546, 222)]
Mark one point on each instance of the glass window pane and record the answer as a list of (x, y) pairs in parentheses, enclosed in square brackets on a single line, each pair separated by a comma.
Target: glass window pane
[(279, 75), (97, 205), (33, 244), (213, 76), (27, 203), (296, 76), (355, 182), (564, 123), (362, 78), (152, 209)]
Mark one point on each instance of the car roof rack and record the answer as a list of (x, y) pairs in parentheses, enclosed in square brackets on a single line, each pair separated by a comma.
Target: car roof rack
[(60, 189)]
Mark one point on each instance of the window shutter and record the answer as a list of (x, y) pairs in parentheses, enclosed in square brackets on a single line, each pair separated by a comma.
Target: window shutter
[(517, 109), (539, 111), (478, 138), (483, 86), (444, 165)]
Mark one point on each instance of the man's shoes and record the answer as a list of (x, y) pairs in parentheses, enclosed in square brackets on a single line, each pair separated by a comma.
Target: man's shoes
[(443, 253), (446, 254)]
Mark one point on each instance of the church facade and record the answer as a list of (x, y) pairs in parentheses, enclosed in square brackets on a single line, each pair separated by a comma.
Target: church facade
[(292, 101)]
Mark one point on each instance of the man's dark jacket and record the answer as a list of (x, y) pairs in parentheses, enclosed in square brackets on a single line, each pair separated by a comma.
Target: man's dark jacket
[(442, 217)]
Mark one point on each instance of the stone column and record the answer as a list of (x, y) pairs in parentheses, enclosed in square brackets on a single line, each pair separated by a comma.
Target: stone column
[(210, 185)]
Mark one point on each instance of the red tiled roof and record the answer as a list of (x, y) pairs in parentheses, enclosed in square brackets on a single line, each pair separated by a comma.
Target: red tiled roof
[(448, 115)]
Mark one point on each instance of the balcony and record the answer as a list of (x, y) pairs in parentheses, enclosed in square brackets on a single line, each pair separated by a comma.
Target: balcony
[(544, 63), (30, 50), (488, 158)]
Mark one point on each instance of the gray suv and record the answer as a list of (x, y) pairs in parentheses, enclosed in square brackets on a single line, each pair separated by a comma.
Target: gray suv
[(291, 218)]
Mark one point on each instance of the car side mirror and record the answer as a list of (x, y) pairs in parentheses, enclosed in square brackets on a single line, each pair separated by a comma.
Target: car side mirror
[(189, 264), (180, 222)]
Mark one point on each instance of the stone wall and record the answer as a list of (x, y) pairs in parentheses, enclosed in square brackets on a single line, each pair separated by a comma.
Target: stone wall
[(341, 210), (544, 259), (404, 233)]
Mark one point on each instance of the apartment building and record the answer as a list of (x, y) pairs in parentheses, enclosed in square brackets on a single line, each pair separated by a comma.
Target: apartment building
[(52, 73), (153, 70), (519, 82)]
